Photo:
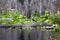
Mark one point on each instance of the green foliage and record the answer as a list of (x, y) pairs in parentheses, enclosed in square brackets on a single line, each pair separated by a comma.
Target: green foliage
[(57, 30), (39, 19), (28, 29), (55, 19), (15, 18)]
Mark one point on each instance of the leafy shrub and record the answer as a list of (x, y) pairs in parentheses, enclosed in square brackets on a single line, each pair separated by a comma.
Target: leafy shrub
[(15, 18), (56, 19)]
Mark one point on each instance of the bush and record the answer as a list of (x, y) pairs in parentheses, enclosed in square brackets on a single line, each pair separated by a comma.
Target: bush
[(15, 18)]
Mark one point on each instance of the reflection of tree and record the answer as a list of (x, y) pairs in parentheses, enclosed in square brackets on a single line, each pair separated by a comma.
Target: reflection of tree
[(38, 6), (1, 9), (58, 5), (3, 5), (21, 1)]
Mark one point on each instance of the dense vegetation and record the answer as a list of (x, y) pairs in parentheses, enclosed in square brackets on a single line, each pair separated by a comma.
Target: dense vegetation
[(15, 18)]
